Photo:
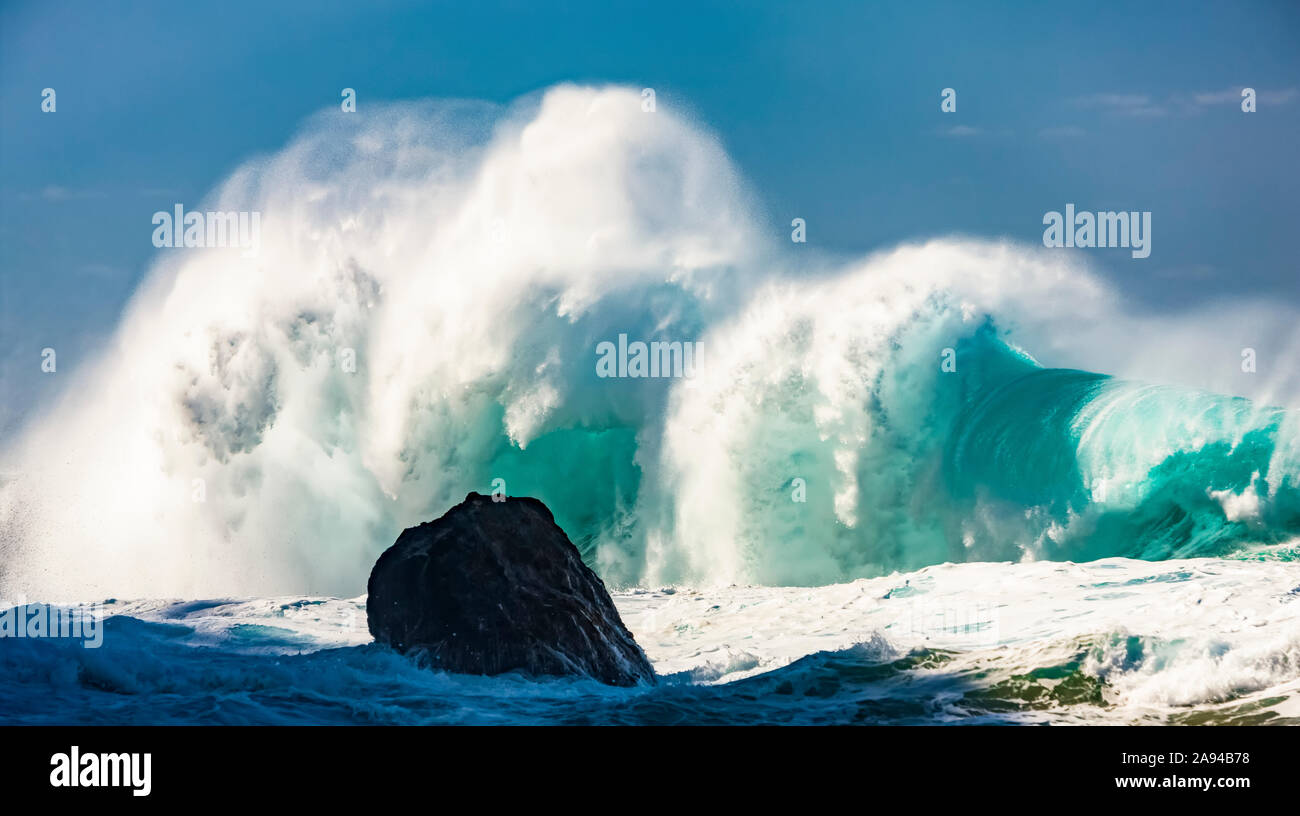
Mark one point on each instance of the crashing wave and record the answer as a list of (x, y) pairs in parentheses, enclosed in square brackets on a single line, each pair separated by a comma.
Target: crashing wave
[(422, 318)]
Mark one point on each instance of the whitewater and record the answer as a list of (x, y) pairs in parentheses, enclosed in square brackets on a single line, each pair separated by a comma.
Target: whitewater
[(1092, 513)]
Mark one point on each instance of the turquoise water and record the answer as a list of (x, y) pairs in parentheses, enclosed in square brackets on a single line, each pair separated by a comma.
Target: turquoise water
[(999, 460)]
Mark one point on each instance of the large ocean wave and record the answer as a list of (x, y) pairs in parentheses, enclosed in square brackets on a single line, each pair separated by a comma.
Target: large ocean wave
[(928, 403)]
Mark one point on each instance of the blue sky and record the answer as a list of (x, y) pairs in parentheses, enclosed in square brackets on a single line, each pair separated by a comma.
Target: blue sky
[(832, 111)]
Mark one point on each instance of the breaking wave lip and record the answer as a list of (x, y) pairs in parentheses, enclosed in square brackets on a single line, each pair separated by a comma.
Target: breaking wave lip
[(470, 259)]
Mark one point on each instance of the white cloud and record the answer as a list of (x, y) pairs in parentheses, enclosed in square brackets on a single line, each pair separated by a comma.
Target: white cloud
[(54, 192), (1232, 96), (1125, 104), (1139, 104)]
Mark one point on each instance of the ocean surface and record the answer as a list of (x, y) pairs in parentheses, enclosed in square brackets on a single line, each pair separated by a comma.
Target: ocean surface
[(1196, 641)]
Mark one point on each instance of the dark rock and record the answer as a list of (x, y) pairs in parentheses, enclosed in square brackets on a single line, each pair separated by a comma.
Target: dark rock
[(493, 587)]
